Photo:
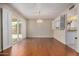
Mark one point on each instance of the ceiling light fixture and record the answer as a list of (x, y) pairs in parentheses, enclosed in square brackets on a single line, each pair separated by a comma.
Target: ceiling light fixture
[(39, 20)]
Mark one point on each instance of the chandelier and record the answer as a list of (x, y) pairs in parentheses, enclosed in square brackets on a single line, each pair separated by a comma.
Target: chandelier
[(39, 20)]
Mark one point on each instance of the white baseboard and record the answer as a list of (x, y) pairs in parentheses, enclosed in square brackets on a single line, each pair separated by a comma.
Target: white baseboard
[(77, 51), (7, 47), (60, 41), (39, 37)]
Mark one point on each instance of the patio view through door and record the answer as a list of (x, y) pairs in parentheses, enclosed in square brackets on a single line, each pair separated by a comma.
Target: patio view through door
[(16, 30)]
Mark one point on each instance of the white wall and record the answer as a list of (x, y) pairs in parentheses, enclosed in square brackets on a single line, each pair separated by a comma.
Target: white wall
[(57, 33), (40, 29), (61, 35), (8, 14), (5, 29)]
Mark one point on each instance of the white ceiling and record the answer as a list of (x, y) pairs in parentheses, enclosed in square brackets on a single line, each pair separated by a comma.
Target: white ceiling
[(47, 10)]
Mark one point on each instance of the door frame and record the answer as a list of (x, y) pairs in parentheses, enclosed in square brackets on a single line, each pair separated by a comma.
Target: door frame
[(1, 21)]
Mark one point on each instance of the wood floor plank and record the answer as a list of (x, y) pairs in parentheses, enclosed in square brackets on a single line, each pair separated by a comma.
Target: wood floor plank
[(40, 47)]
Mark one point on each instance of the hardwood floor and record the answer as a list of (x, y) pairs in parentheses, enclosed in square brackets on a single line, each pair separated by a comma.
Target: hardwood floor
[(40, 47)]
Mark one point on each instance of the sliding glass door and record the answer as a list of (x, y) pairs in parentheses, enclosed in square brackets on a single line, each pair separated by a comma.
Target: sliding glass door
[(16, 30)]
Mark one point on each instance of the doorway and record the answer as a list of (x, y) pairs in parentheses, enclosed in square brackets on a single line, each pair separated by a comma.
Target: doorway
[(16, 30)]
